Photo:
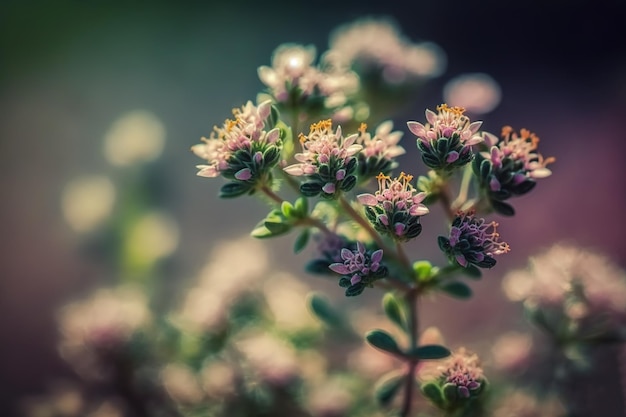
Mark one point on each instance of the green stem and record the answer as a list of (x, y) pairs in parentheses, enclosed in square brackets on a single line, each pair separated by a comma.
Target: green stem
[(404, 260), (444, 198), (364, 224), (411, 299), (397, 254), (293, 183), (310, 221), (271, 194), (464, 188)]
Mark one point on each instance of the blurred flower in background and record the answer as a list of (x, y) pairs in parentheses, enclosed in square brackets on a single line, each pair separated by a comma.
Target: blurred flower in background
[(137, 136), (87, 202), (478, 93)]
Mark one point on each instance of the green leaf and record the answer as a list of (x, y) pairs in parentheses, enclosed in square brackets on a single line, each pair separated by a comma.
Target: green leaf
[(387, 388), (502, 208), (234, 189), (433, 392), (450, 392), (277, 228), (444, 243), (310, 189), (423, 270), (318, 266), (348, 183), (302, 207), (287, 209), (261, 232), (354, 290), (430, 352), (457, 290), (472, 271), (301, 241), (320, 306), (383, 341), (393, 310)]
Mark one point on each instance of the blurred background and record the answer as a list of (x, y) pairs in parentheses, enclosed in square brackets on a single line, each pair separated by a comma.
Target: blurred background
[(72, 72)]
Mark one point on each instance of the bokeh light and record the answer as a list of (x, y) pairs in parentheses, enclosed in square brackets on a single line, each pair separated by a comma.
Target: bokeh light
[(137, 136), (478, 93), (86, 202)]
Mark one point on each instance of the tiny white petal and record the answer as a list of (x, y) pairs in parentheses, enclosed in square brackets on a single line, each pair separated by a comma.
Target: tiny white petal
[(367, 199), (295, 169), (540, 173)]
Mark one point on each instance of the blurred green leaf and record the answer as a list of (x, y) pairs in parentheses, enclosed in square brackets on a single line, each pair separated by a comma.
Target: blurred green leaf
[(277, 228), (387, 388), (320, 306), (457, 290), (394, 311), (383, 341), (472, 271), (432, 391), (287, 209), (234, 189), (319, 267), (430, 352), (302, 207), (261, 232), (301, 241)]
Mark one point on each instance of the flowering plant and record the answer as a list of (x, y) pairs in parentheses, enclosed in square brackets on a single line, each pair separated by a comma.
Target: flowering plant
[(360, 234), (319, 146)]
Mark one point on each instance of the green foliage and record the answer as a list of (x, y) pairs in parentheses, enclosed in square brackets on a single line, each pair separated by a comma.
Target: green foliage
[(387, 388), (320, 306), (457, 289), (425, 352), (394, 309), (235, 189), (383, 341), (301, 241), (432, 391)]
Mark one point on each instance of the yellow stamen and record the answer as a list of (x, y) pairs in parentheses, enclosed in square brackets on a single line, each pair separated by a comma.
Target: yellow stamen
[(302, 138), (363, 128), (322, 125), (230, 124), (382, 176), (406, 178), (456, 110)]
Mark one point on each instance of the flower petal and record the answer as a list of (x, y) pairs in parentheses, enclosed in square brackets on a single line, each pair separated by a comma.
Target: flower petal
[(339, 268), (367, 199)]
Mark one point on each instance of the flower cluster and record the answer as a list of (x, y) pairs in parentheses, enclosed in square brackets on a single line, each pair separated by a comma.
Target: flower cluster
[(360, 268), (472, 241), (573, 284), (102, 327), (395, 209), (454, 384), (242, 150), (327, 161), (294, 81), (378, 50), (446, 140), (462, 370), (510, 167), (379, 152)]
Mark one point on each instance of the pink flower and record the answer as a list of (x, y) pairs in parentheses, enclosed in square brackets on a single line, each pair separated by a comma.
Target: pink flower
[(384, 144), (520, 148), (395, 208), (445, 123), (244, 132), (323, 146)]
